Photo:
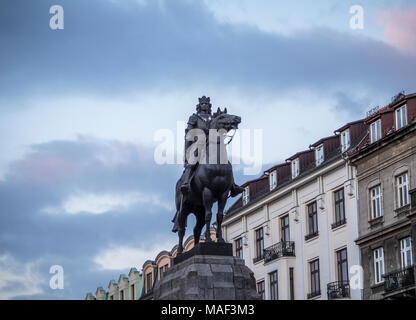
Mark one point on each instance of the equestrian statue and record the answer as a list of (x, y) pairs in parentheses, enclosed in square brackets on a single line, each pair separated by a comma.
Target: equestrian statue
[(208, 175)]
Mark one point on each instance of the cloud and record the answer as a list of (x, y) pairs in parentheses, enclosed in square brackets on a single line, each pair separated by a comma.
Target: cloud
[(400, 28), (125, 257), (277, 17), (84, 202), (19, 279)]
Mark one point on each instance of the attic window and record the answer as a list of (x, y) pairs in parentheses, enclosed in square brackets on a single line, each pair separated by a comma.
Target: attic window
[(295, 168), (345, 140), (375, 131), (246, 195), (273, 179), (401, 117), (319, 154)]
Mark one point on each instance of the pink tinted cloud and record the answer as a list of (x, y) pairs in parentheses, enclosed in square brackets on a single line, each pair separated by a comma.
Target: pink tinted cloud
[(400, 28), (45, 168)]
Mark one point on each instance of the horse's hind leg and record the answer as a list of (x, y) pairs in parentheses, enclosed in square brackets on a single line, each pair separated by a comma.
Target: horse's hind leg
[(207, 199), (181, 232), (220, 215), (198, 227)]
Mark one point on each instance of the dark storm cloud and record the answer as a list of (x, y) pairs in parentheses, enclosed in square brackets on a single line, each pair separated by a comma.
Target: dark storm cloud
[(110, 48)]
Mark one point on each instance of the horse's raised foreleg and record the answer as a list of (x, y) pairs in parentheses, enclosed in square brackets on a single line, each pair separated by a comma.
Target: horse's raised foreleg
[(220, 215), (207, 199)]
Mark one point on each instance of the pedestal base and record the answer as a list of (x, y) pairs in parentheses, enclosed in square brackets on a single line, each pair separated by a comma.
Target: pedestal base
[(207, 277), (206, 249)]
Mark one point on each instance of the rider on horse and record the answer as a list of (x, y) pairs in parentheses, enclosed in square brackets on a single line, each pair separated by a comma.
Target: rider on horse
[(200, 120)]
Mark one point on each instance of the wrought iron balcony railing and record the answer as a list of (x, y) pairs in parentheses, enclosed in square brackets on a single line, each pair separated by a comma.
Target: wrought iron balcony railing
[(399, 279), (281, 249), (338, 290)]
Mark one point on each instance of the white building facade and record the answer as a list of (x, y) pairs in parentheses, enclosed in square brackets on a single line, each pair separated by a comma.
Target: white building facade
[(298, 227)]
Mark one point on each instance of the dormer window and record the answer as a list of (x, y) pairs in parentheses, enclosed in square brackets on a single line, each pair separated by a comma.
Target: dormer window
[(345, 140), (319, 155), (375, 131), (401, 117), (295, 168), (273, 179), (246, 195)]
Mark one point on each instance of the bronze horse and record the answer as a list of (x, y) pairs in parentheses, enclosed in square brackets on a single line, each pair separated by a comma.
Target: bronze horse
[(210, 183)]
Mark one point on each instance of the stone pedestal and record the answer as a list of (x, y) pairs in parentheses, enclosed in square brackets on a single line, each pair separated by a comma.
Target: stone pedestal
[(199, 276)]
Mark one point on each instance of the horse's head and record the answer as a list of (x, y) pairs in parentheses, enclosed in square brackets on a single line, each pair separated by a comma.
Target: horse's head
[(223, 120)]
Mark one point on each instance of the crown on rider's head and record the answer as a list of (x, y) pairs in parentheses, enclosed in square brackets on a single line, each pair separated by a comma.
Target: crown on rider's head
[(202, 100)]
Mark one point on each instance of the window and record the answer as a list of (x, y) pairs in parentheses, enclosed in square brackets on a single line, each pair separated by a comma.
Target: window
[(375, 131), (285, 232), (246, 195), (378, 265), (292, 284), (312, 220), (121, 294), (339, 208), (273, 179), (132, 295), (162, 271), (148, 282), (401, 117), (402, 190), (319, 155), (274, 292), (342, 265), (239, 248), (406, 252), (295, 168), (259, 243), (375, 196), (345, 140), (260, 289), (315, 282)]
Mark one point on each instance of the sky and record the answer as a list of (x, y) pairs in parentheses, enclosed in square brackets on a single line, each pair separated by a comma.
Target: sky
[(80, 108)]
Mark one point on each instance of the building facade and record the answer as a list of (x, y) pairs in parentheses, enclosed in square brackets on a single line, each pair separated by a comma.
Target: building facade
[(295, 226), (139, 285), (386, 170)]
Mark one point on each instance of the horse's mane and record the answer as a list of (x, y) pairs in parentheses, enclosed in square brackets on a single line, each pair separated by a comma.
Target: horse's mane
[(219, 112)]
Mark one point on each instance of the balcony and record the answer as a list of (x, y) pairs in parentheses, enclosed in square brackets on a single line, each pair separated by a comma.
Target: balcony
[(281, 249), (338, 290), (399, 280)]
